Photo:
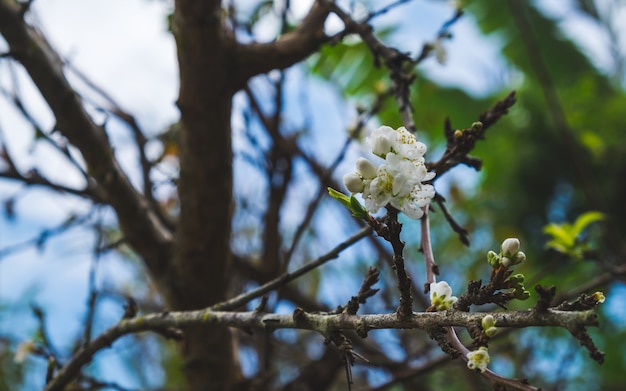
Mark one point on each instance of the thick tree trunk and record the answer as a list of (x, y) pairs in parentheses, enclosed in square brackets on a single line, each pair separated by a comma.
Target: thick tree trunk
[(200, 271)]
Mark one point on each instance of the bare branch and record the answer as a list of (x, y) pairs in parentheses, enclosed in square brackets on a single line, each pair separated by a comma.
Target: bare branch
[(460, 143), (140, 140), (489, 374), (432, 270), (289, 276), (324, 324), (394, 60), (33, 177), (141, 227), (257, 58)]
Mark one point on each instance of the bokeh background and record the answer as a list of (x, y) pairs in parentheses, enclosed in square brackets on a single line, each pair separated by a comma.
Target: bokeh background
[(558, 154)]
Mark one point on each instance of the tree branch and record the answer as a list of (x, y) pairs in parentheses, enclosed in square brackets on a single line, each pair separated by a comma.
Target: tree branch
[(395, 61), (461, 143), (323, 324), (489, 374), (140, 140), (141, 227), (257, 58), (285, 278)]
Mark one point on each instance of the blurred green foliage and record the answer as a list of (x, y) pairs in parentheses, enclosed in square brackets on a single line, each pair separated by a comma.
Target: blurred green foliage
[(560, 153), (566, 238)]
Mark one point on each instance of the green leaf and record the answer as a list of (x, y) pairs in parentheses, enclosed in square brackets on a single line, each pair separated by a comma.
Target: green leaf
[(584, 220), (357, 209), (561, 235), (339, 196), (558, 246), (564, 236), (351, 203)]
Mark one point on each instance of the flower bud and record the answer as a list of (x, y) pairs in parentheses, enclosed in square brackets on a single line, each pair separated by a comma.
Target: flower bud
[(519, 257), (380, 141), (488, 322), (493, 259), (599, 297), (517, 278), (353, 182), (477, 126), (521, 294), (440, 52), (506, 262), (510, 247), (490, 332), (366, 168), (23, 350)]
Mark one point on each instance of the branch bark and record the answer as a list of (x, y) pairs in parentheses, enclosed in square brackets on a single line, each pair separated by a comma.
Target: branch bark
[(257, 58), (321, 323)]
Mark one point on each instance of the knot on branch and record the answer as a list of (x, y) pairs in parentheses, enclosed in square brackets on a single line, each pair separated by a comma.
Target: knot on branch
[(299, 317), (546, 295), (130, 308)]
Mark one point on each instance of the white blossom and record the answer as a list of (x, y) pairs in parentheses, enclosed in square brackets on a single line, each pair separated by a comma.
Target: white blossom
[(382, 140), (478, 359), (441, 296), (399, 180)]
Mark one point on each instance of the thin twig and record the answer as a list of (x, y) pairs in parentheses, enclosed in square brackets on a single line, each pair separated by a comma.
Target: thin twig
[(40, 240), (313, 205), (489, 374), (138, 135), (432, 270), (393, 60), (456, 227), (290, 276)]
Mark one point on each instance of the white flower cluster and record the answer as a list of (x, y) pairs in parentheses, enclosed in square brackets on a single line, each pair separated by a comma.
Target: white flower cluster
[(398, 181)]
